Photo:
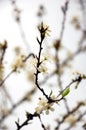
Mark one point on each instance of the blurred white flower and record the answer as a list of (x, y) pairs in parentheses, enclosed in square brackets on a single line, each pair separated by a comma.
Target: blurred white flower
[(18, 62)]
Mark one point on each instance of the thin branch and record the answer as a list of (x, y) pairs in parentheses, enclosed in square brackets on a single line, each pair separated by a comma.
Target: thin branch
[(25, 98), (43, 31), (68, 114), (64, 9), (58, 67), (76, 80), (43, 126), (29, 117), (77, 120), (12, 71), (79, 50), (17, 17), (54, 101), (64, 63)]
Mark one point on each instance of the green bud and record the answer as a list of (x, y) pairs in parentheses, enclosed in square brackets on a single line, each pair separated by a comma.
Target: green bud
[(65, 92)]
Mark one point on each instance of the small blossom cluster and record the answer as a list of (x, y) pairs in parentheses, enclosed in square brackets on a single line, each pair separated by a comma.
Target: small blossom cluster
[(71, 119), (44, 30), (33, 62), (76, 22), (18, 63), (43, 105), (43, 68)]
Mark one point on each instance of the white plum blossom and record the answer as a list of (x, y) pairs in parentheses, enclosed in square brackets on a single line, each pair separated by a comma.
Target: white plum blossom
[(43, 105)]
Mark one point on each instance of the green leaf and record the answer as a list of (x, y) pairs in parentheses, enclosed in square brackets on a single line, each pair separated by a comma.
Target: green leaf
[(50, 93), (65, 92)]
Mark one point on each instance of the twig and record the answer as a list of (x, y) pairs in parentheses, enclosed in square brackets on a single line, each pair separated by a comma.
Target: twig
[(37, 70), (58, 67), (64, 9), (43, 31), (64, 63), (77, 120), (29, 117), (12, 71), (80, 50), (76, 80), (18, 20), (42, 123), (68, 114), (25, 98)]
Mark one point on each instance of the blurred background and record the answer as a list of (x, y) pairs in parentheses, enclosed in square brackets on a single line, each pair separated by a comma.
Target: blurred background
[(19, 20)]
